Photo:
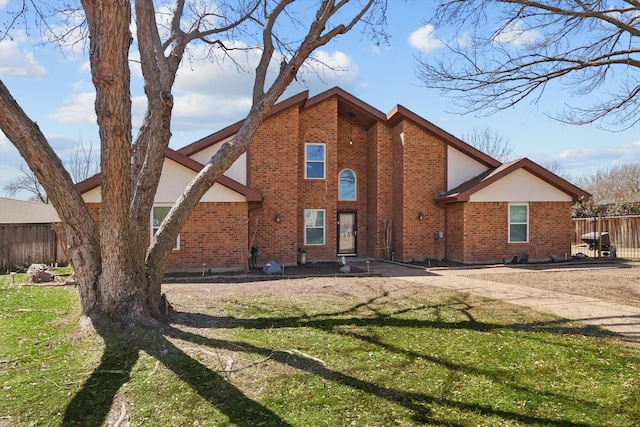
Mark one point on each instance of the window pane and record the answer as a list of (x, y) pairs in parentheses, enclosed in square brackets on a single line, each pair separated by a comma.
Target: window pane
[(347, 185), (518, 233), (315, 152), (315, 170), (314, 218), (315, 236), (159, 213), (518, 213), (315, 160)]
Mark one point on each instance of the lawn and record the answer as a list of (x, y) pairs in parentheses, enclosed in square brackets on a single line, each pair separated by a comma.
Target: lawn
[(335, 352)]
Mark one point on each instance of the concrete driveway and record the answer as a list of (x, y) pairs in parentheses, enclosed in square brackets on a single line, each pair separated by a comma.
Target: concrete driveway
[(617, 318)]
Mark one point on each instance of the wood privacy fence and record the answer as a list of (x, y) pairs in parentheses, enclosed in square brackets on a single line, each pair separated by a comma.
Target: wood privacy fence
[(24, 244), (624, 234)]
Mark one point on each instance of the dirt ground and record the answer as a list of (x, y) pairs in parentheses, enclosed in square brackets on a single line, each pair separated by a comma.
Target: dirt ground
[(619, 284)]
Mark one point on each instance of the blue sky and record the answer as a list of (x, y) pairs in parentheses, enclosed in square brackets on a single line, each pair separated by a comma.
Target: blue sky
[(54, 88)]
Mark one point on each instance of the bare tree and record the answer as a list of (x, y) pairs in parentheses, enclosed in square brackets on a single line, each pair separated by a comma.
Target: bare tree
[(620, 183), (82, 163), (119, 277), (491, 142), (28, 182), (506, 51)]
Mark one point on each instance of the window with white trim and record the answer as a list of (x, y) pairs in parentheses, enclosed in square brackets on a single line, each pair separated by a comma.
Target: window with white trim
[(518, 222), (314, 226), (314, 157), (158, 213), (347, 185)]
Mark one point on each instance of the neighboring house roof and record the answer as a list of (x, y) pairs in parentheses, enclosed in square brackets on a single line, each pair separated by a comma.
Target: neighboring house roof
[(250, 194), (359, 112), (20, 212), (463, 192)]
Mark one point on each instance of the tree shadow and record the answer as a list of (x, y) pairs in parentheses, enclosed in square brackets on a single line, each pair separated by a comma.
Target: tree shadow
[(91, 405)]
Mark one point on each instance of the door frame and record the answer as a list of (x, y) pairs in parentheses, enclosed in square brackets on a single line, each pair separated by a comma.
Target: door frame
[(355, 233)]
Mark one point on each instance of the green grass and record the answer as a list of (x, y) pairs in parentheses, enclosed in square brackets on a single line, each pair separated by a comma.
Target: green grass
[(313, 362)]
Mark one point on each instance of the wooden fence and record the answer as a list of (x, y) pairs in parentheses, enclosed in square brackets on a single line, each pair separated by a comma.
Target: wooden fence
[(624, 234), (24, 244)]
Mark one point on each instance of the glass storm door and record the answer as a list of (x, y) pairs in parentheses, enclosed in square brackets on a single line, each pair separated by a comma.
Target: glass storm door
[(347, 232)]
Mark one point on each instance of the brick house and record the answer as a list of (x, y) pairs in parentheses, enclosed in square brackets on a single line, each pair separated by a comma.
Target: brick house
[(330, 175)]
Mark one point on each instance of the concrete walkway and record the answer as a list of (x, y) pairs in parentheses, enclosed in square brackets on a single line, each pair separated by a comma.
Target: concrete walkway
[(618, 318)]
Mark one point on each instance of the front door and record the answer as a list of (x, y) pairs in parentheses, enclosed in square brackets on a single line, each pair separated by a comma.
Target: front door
[(347, 233)]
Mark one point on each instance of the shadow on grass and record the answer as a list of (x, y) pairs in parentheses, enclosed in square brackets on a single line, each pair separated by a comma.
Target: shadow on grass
[(92, 404)]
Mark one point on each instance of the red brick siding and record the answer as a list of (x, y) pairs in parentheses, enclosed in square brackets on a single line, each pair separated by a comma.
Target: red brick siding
[(379, 185), (424, 175), (215, 235), (354, 157), (454, 233), (273, 168), (397, 193), (486, 232)]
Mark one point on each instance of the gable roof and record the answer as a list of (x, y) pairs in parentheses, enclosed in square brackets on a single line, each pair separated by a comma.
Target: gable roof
[(463, 192), (250, 194), (358, 111), (20, 212)]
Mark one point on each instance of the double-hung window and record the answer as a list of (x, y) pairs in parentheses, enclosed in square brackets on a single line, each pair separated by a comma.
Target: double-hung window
[(314, 226), (158, 213), (314, 157), (518, 222)]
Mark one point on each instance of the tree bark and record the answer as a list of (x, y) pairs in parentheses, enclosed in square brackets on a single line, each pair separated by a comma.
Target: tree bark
[(121, 283)]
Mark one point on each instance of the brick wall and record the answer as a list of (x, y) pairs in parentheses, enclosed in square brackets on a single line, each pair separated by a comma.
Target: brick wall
[(424, 175), (272, 170), (352, 154), (486, 232), (214, 238), (454, 233), (380, 167), (397, 193), (215, 235)]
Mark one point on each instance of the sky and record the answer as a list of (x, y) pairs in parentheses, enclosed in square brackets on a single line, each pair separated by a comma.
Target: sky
[(54, 88)]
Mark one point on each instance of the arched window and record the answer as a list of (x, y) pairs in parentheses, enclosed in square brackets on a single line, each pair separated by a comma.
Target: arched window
[(347, 185)]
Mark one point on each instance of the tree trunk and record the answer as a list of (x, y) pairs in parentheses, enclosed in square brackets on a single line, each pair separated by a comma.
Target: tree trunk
[(121, 282)]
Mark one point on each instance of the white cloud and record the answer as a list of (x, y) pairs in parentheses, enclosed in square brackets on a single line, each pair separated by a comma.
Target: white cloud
[(17, 61), (423, 39), (210, 95), (515, 34), (78, 109), (3, 3), (598, 157)]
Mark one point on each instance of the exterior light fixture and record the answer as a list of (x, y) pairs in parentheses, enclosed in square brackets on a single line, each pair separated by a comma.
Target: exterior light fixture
[(278, 218), (420, 215)]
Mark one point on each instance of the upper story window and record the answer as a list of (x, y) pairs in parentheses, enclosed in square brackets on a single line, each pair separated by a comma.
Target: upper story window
[(347, 185), (518, 223), (314, 157), (158, 213)]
